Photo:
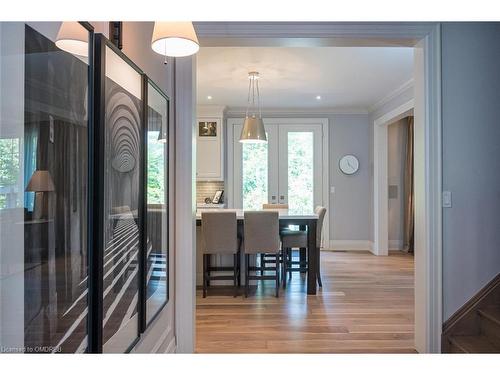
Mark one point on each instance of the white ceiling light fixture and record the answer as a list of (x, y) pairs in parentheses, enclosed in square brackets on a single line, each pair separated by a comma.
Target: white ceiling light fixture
[(318, 97), (253, 128), (73, 38), (175, 39), (209, 97)]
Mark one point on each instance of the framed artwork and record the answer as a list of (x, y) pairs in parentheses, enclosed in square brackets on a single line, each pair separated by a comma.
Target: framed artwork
[(156, 243), (207, 128), (218, 197)]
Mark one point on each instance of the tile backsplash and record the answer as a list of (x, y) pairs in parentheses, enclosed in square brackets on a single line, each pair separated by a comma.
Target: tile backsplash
[(206, 189)]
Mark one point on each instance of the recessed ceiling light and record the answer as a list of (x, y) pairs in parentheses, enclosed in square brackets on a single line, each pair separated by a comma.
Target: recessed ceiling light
[(209, 97), (318, 97)]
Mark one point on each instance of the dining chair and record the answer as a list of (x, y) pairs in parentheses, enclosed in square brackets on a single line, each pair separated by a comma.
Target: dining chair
[(266, 259), (291, 239), (261, 236), (219, 233)]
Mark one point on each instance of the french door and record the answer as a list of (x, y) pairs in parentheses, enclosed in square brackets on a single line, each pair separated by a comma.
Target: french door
[(287, 169)]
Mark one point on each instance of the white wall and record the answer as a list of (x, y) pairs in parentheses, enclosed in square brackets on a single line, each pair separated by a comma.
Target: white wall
[(396, 152), (471, 159), (137, 46)]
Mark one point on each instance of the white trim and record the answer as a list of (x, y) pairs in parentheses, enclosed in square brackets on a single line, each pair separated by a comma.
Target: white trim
[(171, 347), (350, 245), (275, 112), (380, 194), (392, 95), (428, 316)]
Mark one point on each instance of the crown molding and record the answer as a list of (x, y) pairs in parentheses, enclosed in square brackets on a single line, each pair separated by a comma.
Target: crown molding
[(240, 111), (207, 110), (391, 96)]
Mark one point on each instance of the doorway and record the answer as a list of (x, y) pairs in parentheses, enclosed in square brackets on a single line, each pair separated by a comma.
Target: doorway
[(424, 37)]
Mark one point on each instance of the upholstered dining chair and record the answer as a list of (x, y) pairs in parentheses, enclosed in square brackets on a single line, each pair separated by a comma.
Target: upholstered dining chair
[(219, 231), (266, 259), (261, 236), (291, 239)]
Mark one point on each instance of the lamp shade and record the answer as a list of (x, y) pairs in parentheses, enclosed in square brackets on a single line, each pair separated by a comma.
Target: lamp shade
[(40, 181), (253, 130), (73, 38), (174, 39)]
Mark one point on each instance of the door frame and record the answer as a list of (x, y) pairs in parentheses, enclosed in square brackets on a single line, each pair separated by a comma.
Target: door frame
[(426, 36), (323, 122), (380, 176)]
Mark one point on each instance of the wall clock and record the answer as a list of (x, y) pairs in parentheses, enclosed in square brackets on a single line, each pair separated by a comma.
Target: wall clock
[(349, 164)]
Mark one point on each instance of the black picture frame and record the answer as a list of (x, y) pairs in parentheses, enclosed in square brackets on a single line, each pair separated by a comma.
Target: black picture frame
[(97, 194), (145, 323)]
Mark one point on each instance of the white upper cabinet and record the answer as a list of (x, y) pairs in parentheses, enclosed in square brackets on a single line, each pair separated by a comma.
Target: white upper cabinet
[(209, 147)]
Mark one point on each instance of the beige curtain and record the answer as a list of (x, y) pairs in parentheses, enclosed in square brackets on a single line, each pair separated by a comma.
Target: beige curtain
[(409, 199)]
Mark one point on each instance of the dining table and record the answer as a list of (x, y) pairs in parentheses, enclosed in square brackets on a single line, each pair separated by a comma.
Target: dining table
[(307, 220)]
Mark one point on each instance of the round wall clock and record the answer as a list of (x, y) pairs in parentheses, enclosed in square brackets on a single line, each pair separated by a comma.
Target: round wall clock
[(349, 164)]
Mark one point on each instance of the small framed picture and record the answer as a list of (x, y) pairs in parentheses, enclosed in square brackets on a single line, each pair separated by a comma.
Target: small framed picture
[(218, 197), (207, 128)]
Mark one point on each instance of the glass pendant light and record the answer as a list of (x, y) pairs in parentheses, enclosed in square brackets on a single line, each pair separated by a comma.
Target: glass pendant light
[(176, 39), (253, 128), (73, 38)]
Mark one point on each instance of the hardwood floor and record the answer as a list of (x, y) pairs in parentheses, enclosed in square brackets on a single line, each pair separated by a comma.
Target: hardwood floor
[(365, 306)]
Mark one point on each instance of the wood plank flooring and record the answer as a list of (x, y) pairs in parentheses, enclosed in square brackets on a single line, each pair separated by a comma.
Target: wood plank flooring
[(365, 306)]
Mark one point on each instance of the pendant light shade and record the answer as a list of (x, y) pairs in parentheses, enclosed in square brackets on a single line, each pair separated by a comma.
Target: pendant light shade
[(253, 128), (174, 39), (73, 38), (253, 131)]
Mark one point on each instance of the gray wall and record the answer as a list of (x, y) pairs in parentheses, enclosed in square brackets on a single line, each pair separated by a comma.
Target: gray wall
[(471, 159), (350, 205)]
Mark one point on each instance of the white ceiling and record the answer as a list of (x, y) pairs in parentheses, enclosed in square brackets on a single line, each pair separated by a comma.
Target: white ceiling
[(344, 77)]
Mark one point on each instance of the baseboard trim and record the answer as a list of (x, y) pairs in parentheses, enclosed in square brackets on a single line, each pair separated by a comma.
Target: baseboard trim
[(171, 347), (351, 245), (471, 305)]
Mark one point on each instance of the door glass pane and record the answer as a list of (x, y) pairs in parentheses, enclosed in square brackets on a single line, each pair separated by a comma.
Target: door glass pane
[(43, 190), (157, 200), (123, 114), (300, 172), (254, 179)]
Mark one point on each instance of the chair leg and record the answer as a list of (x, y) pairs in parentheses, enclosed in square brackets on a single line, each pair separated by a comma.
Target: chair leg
[(235, 274), (277, 270), (319, 268), (262, 264), (238, 256), (209, 264), (302, 258), (285, 265), (205, 275), (247, 259)]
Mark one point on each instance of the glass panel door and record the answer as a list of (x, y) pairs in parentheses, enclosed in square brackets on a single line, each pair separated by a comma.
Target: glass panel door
[(300, 167), (256, 165)]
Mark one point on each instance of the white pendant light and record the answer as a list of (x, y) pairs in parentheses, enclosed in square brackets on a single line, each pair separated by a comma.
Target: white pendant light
[(176, 39), (73, 38), (253, 128)]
